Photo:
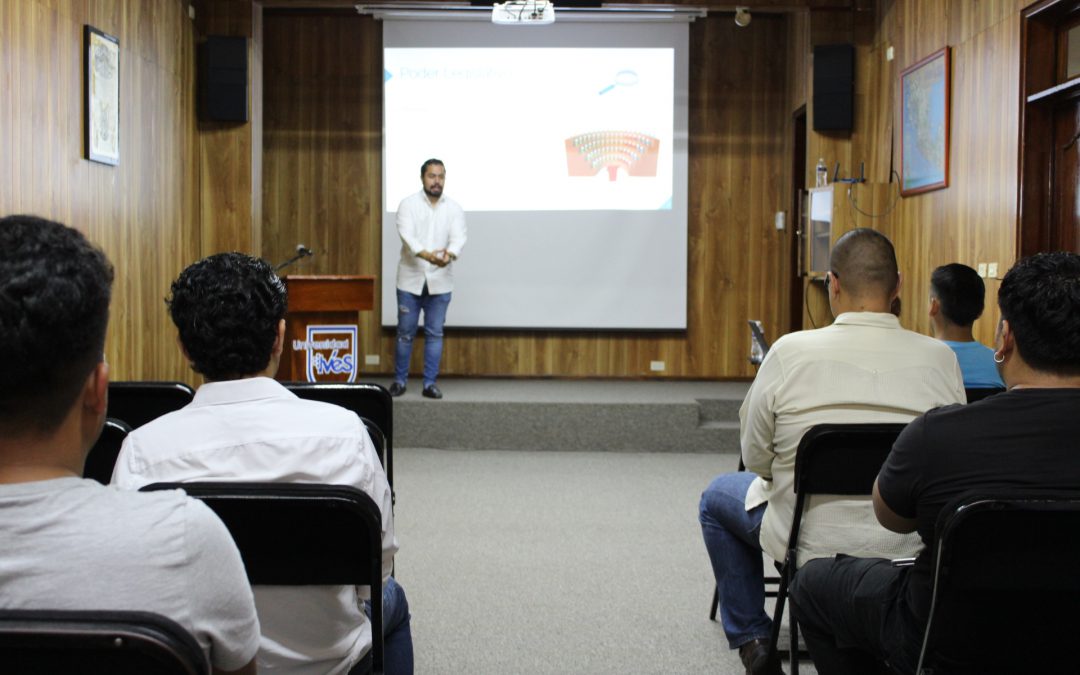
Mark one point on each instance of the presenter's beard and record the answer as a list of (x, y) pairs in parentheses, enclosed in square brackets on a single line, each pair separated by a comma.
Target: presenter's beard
[(433, 191)]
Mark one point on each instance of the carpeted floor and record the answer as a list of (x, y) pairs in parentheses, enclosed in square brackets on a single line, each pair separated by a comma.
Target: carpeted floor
[(558, 562)]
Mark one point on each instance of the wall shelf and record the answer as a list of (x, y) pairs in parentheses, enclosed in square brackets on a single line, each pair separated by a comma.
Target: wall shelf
[(1058, 93)]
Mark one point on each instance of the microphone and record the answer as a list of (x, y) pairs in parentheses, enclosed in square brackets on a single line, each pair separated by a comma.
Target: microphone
[(301, 252)]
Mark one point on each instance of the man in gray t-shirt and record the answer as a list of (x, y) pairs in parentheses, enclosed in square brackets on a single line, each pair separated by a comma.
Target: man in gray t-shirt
[(70, 543)]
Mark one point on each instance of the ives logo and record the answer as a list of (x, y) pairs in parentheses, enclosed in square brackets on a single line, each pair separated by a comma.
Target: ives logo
[(331, 353)]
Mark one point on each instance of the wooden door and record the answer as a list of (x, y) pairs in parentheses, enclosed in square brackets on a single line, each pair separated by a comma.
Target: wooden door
[(1065, 217)]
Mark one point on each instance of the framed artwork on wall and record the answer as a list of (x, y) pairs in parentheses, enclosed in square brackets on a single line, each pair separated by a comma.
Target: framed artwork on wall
[(101, 119), (924, 124)]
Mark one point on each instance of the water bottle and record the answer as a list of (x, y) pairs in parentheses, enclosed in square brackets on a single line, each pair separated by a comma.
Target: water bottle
[(822, 173)]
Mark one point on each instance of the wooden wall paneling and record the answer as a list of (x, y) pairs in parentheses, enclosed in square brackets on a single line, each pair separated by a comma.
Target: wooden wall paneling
[(322, 148), (798, 72), (973, 220), (230, 153), (141, 211), (255, 79)]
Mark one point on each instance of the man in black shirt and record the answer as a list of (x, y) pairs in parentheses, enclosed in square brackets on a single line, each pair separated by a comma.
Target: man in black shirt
[(857, 612)]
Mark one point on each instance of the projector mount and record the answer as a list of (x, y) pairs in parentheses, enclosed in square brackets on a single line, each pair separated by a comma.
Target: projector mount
[(523, 13)]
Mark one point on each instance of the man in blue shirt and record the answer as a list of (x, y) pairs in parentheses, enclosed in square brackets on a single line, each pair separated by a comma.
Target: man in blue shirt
[(957, 295)]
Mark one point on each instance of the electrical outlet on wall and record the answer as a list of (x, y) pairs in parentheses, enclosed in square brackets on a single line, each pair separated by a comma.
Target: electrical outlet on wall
[(656, 365), (991, 270), (371, 359), (981, 268)]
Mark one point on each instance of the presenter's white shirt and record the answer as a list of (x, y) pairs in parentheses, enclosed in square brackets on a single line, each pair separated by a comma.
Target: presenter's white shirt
[(257, 430), (424, 227), (863, 368)]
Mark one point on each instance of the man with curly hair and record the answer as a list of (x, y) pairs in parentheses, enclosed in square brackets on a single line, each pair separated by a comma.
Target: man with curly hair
[(229, 310), (70, 543)]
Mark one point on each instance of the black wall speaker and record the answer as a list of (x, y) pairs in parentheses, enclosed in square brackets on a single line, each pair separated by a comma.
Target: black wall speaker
[(223, 79), (834, 87)]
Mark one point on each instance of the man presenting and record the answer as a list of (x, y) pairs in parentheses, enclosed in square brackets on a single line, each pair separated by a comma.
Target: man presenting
[(862, 368), (432, 229)]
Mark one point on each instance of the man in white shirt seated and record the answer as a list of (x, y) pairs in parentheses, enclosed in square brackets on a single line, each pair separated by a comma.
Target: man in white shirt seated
[(229, 310), (70, 543), (862, 368)]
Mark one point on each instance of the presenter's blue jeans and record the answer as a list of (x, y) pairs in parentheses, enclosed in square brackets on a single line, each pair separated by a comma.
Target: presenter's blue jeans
[(731, 538), (397, 631), (409, 308)]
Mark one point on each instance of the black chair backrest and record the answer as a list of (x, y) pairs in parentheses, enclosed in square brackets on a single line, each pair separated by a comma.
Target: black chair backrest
[(102, 457), (298, 534), (366, 399), (1006, 584), (46, 642), (759, 345), (137, 403), (378, 439), (832, 459), (979, 393), (843, 459)]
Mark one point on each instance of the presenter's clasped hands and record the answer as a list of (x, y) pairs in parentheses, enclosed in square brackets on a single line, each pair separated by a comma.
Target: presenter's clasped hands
[(440, 257)]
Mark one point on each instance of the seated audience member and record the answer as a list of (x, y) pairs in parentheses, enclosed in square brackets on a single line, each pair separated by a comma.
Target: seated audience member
[(229, 310), (956, 301), (862, 368), (73, 544), (854, 611)]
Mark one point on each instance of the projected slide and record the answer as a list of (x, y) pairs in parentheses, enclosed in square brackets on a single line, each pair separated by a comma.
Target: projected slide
[(533, 129), (567, 147)]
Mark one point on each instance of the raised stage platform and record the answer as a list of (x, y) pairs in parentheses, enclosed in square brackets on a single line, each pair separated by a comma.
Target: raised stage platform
[(586, 415)]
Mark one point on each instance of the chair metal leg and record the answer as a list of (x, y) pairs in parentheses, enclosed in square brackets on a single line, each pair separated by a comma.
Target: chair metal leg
[(778, 612), (715, 603), (794, 648)]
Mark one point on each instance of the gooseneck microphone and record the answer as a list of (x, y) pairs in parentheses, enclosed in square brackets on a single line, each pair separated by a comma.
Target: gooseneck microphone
[(301, 252)]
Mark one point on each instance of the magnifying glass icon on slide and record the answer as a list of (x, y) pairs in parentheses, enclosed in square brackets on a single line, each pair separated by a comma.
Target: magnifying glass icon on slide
[(623, 78)]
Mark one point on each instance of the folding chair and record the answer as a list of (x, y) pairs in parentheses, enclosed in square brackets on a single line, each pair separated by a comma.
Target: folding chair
[(366, 399), (1005, 585), (101, 459), (832, 459), (759, 346), (46, 642), (979, 393), (378, 439), (137, 403), (302, 534)]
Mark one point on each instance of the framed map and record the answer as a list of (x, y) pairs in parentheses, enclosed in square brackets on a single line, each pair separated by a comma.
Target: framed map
[(924, 125), (102, 110)]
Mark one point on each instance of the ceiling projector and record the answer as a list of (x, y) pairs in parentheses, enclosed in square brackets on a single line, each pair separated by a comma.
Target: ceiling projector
[(523, 13)]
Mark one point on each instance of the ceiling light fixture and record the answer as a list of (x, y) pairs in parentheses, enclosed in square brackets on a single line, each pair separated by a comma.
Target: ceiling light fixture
[(742, 17)]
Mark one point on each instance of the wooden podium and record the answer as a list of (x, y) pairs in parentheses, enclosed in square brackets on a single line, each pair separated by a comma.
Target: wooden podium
[(322, 331)]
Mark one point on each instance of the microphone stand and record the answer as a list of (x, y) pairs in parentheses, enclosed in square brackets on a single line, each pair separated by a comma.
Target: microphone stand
[(300, 254)]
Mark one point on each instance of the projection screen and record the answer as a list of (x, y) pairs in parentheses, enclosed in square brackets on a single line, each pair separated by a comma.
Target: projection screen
[(566, 145)]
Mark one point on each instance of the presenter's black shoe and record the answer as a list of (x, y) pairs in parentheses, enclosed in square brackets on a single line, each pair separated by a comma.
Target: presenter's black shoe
[(397, 389), (432, 391)]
